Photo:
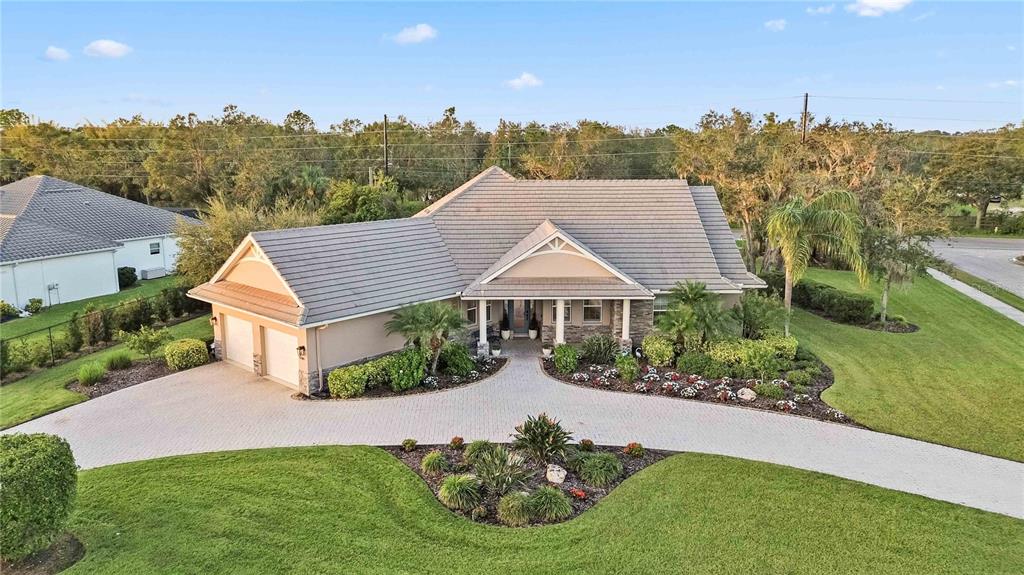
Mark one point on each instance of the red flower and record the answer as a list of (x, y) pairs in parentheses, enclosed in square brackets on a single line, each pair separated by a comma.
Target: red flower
[(578, 493)]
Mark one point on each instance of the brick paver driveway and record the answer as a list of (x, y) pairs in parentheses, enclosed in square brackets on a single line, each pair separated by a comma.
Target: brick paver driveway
[(220, 407)]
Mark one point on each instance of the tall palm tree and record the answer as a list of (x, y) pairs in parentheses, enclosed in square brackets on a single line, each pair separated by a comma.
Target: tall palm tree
[(428, 325), (830, 224)]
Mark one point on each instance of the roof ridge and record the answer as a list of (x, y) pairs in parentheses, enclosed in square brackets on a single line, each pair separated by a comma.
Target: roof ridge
[(433, 208)]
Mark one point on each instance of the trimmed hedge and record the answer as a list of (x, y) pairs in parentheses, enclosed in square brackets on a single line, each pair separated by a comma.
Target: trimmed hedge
[(126, 277), (186, 354), (39, 479), (348, 381), (833, 303), (401, 371)]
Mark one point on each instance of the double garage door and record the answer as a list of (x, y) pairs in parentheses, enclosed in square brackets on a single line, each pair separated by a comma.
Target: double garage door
[(280, 359)]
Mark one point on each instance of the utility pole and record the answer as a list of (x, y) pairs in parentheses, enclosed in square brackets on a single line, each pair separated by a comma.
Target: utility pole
[(370, 169), (803, 130), (386, 143)]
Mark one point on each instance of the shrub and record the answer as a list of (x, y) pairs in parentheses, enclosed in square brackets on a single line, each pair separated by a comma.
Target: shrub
[(541, 437), (147, 340), (460, 492), (500, 471), (600, 469), (628, 367), (694, 362), (434, 463), (8, 310), (38, 352), (634, 449), (186, 354), (12, 358), (91, 373), (836, 304), (586, 445), (566, 358), (118, 360), (34, 306), (172, 300), (126, 277), (406, 369), (457, 443), (549, 504), (762, 361), (95, 325), (514, 509), (658, 350), (73, 333), (376, 372), (599, 348), (756, 313), (784, 347), (756, 357), (769, 390), (799, 377), (456, 360), (476, 450), (408, 445), (349, 381), (39, 479)]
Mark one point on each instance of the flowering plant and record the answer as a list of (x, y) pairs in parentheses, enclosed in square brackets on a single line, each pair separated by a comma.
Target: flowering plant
[(580, 377), (670, 388), (432, 381), (473, 374), (785, 405), (600, 381), (642, 386), (781, 383), (633, 449), (689, 392), (610, 373), (701, 385), (802, 398), (724, 395), (693, 378), (577, 493), (673, 376), (456, 442), (726, 381), (595, 368), (652, 376), (835, 414)]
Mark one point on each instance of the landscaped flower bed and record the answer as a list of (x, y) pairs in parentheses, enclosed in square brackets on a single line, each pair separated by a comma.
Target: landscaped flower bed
[(115, 379), (485, 367), (779, 394), (538, 478)]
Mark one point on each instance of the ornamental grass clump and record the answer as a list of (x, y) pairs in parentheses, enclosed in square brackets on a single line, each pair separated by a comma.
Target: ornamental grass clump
[(599, 348), (600, 469), (514, 509), (476, 450), (549, 504), (91, 374), (461, 492), (434, 464), (500, 471), (541, 437), (118, 360)]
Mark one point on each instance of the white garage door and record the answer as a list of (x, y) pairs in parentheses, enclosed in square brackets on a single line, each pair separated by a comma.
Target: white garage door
[(281, 356), (238, 340)]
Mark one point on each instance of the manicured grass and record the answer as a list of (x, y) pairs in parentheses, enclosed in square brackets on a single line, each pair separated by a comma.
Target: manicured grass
[(359, 510), (60, 313), (1007, 297), (957, 381), (44, 391)]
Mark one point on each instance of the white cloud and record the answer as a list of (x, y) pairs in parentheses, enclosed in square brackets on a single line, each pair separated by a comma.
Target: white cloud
[(875, 8), (775, 25), (923, 16), (525, 80), (55, 53), (1004, 84), (107, 49), (415, 34), (817, 10)]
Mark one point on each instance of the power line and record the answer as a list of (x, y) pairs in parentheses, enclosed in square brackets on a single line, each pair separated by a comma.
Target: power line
[(936, 100)]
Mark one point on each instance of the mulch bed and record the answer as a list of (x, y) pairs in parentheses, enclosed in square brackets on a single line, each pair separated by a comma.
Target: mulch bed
[(140, 371), (630, 465), (669, 383), (484, 368), (63, 553)]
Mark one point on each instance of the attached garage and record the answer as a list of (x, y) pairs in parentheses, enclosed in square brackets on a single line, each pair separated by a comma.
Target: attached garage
[(237, 338), (280, 355)]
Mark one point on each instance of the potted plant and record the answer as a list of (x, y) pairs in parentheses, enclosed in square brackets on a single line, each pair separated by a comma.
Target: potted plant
[(506, 331), (534, 327), (496, 349)]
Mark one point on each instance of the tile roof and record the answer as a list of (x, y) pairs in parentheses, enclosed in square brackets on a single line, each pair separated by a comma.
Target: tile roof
[(50, 217), (251, 298)]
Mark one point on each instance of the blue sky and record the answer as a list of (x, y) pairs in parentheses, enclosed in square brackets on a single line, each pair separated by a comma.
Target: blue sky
[(632, 64)]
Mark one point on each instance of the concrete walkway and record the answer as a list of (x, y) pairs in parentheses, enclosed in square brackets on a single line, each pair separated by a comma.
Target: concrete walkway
[(988, 258), (220, 407), (979, 296)]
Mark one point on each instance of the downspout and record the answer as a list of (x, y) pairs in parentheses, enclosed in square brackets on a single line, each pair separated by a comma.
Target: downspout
[(319, 367)]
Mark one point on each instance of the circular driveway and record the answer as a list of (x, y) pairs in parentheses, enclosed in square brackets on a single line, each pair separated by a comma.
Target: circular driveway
[(220, 407)]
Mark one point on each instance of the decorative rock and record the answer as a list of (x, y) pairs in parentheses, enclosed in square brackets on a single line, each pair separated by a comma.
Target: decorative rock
[(555, 474), (746, 394)]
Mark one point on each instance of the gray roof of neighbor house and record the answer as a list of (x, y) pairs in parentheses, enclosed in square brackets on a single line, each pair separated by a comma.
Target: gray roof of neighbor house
[(41, 216), (652, 232)]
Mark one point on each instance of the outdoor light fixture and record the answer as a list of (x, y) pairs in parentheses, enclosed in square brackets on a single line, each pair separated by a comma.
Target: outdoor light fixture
[(213, 320), (302, 351)]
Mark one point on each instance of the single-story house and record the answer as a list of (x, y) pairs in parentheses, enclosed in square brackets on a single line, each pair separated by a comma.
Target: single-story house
[(62, 242), (579, 257)]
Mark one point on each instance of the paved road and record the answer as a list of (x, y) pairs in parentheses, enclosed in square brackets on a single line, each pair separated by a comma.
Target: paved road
[(979, 296), (220, 407), (987, 258)]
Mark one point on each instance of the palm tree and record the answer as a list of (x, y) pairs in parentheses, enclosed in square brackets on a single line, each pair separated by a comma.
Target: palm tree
[(312, 183), (428, 325), (689, 292), (829, 224), (695, 310)]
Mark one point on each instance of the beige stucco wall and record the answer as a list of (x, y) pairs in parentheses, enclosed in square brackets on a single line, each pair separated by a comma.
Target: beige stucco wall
[(257, 273), (730, 299), (259, 323), (555, 265)]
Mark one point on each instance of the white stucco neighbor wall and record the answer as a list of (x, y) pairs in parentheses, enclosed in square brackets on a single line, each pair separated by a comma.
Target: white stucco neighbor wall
[(135, 253), (74, 277)]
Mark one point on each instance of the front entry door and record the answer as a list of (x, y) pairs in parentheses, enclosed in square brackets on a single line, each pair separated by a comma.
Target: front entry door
[(521, 316)]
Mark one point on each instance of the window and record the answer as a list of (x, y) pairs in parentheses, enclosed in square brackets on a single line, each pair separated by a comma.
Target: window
[(592, 310), (567, 314), (660, 307), (471, 308), (154, 248)]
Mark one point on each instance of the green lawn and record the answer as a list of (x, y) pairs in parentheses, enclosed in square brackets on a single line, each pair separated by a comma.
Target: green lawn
[(1009, 298), (60, 313), (359, 510), (44, 391), (957, 381)]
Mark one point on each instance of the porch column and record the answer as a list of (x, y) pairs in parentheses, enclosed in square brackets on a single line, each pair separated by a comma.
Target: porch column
[(482, 347), (559, 321), (625, 319)]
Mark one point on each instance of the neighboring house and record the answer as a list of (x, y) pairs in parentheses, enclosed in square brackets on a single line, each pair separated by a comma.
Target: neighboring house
[(582, 257), (62, 242)]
